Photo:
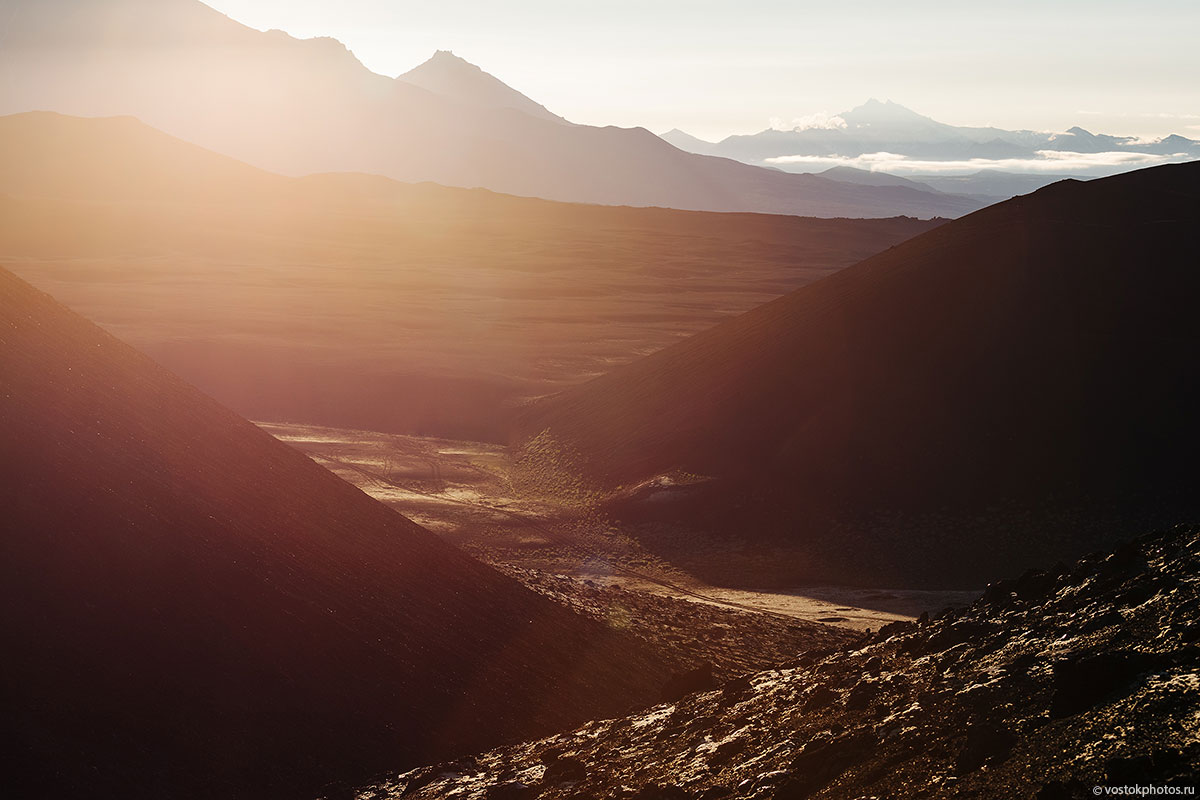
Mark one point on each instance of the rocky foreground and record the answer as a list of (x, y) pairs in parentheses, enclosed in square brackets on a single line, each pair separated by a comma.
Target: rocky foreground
[(1049, 685)]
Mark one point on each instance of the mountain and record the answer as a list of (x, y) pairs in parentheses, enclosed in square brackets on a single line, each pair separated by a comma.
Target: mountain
[(448, 75), (191, 608), (889, 137), (869, 178), (973, 186), (1051, 686), (936, 414), (688, 143), (358, 301), (308, 106)]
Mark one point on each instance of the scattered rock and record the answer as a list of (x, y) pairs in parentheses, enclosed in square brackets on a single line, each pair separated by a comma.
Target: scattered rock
[(976, 704), (563, 769), (513, 790), (725, 752), (1084, 681), (734, 690), (682, 684), (653, 791), (1062, 790), (819, 698), (987, 743)]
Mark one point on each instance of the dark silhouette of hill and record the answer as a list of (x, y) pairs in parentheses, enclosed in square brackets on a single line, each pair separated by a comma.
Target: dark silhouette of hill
[(932, 414), (359, 301), (191, 608), (305, 106)]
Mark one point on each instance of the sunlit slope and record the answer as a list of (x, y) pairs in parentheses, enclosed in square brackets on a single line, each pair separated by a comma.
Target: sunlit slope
[(193, 609), (357, 301), (926, 414), (302, 106)]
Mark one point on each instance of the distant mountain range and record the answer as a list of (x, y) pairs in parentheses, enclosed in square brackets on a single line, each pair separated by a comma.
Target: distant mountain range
[(889, 138), (305, 106)]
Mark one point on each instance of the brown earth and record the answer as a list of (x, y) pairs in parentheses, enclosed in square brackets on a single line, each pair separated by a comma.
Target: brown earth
[(356, 301)]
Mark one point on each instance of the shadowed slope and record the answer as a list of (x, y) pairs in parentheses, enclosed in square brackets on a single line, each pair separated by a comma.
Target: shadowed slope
[(922, 415), (193, 609)]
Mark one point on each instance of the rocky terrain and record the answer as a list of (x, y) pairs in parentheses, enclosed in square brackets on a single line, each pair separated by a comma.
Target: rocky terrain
[(695, 637), (1051, 684)]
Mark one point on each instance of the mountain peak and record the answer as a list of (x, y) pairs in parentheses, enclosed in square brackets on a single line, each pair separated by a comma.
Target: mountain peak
[(876, 111), (453, 76), (447, 59)]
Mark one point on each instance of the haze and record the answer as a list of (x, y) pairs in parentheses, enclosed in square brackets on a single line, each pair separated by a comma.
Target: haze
[(1106, 65), (598, 401)]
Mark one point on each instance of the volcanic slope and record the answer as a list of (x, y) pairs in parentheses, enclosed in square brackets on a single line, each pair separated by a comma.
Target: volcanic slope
[(936, 413), (193, 609), (1050, 687)]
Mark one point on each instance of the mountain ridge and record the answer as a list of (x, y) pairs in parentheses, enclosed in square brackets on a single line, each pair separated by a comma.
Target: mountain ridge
[(301, 106)]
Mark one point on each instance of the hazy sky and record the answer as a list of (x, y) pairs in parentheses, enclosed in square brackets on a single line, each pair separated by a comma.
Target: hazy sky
[(717, 67)]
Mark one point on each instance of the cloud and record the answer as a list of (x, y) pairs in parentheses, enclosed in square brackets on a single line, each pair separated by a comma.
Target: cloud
[(1139, 115), (819, 121), (1048, 161)]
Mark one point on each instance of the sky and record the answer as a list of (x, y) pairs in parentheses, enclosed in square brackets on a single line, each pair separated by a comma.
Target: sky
[(715, 68)]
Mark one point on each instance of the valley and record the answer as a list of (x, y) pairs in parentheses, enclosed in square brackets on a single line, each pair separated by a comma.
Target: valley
[(361, 302), (544, 527), (372, 431)]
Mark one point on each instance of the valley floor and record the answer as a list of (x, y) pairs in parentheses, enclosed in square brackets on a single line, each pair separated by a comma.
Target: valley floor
[(544, 528)]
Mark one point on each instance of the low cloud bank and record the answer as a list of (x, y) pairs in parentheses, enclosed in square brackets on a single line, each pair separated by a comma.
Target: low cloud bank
[(1046, 162)]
